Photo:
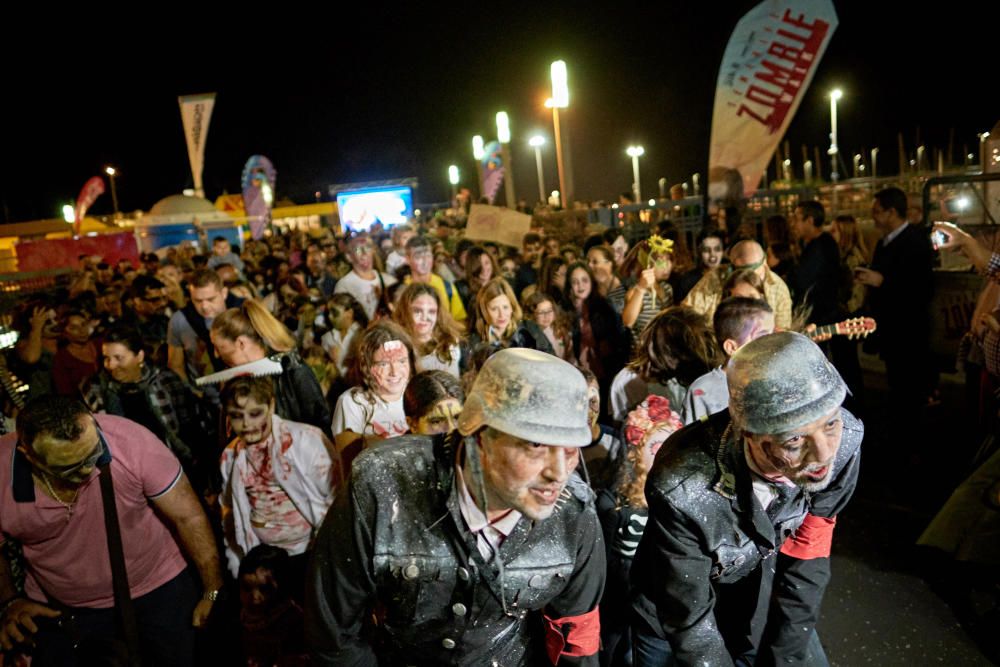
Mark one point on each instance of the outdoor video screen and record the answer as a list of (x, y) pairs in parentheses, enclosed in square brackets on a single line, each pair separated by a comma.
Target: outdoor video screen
[(360, 209)]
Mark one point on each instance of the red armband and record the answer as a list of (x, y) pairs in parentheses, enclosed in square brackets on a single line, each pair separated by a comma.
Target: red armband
[(573, 636), (813, 539)]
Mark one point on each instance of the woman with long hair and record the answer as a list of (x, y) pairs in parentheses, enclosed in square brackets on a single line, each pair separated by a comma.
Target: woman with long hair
[(347, 319), (500, 321), (599, 342), (250, 333), (435, 335), (551, 281), (550, 318), (676, 349), (601, 260), (711, 252), (480, 267), (373, 410)]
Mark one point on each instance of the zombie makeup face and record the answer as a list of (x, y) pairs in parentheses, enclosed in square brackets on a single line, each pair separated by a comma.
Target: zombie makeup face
[(424, 313), (580, 285), (421, 261), (441, 418), (711, 252), (805, 455), (508, 269), (390, 370), (361, 255), (522, 475), (250, 419)]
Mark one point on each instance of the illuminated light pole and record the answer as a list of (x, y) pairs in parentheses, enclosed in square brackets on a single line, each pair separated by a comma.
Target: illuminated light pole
[(503, 136), (453, 179), (835, 95), (110, 171), (560, 100), (479, 152), (537, 142), (635, 152), (874, 162)]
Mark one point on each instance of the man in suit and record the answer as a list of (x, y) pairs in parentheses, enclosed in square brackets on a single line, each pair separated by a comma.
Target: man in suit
[(901, 281)]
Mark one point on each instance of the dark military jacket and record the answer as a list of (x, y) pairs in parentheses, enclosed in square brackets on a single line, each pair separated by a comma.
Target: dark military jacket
[(396, 544), (707, 575)]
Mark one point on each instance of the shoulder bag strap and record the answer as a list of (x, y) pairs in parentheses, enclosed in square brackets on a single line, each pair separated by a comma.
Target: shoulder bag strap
[(119, 576)]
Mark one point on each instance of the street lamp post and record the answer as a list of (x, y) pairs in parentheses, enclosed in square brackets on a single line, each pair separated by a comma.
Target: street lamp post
[(110, 171), (453, 179), (635, 152), (835, 95), (537, 142), (479, 152), (503, 136), (560, 100)]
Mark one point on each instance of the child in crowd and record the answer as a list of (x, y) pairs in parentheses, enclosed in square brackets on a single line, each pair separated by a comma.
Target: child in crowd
[(433, 401), (373, 410), (433, 331)]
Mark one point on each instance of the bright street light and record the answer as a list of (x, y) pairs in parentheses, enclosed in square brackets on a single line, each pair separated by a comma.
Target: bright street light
[(635, 152), (111, 172), (559, 75), (69, 213), (478, 149), (453, 174), (537, 142), (503, 127), (835, 95), (503, 136)]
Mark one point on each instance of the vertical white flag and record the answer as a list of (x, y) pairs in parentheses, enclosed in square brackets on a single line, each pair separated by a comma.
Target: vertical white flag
[(196, 111), (767, 66)]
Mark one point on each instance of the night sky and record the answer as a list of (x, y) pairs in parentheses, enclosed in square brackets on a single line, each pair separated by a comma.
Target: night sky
[(338, 97)]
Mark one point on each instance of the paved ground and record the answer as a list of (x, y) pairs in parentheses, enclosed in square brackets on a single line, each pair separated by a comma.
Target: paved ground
[(879, 610)]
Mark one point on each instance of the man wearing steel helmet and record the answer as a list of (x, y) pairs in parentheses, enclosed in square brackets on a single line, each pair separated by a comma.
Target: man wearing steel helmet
[(477, 548), (735, 557)]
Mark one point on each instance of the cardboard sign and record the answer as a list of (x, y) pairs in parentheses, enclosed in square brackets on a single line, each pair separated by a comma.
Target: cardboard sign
[(500, 225)]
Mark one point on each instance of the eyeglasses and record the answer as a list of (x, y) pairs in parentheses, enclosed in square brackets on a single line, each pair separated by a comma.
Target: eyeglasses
[(89, 462)]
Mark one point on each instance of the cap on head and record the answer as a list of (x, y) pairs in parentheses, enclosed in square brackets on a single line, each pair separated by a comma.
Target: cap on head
[(781, 382), (530, 395)]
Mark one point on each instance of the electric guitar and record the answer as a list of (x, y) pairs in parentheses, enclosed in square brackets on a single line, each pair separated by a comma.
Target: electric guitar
[(857, 327)]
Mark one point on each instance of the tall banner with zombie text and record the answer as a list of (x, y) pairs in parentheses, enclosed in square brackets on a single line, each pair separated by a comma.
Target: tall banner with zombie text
[(768, 64), (196, 112), (258, 181), (91, 190)]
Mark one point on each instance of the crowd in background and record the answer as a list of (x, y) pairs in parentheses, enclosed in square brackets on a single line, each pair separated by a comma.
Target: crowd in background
[(380, 334)]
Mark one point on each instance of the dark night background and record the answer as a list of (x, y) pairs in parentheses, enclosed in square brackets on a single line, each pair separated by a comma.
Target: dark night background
[(336, 96)]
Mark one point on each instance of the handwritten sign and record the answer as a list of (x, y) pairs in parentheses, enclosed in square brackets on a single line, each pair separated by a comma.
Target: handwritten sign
[(500, 225)]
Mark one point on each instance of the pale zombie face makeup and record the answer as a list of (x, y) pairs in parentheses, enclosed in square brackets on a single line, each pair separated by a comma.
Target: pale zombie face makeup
[(424, 313), (442, 418), (805, 455), (250, 419), (580, 284), (620, 246), (711, 253), (421, 261), (390, 370)]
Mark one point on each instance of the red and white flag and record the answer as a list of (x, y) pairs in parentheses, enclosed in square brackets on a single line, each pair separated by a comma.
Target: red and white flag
[(767, 67), (89, 193)]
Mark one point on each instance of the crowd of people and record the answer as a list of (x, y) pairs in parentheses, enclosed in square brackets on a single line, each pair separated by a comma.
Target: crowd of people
[(406, 409)]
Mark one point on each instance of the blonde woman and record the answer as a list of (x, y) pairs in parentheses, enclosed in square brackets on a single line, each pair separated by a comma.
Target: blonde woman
[(500, 321), (250, 333)]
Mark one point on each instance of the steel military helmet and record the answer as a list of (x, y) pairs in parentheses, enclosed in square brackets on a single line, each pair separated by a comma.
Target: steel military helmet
[(530, 395), (781, 382)]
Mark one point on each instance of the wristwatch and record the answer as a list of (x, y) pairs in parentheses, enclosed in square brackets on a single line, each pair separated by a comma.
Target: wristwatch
[(212, 595)]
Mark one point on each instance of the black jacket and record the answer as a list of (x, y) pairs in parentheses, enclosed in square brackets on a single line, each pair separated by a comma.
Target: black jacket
[(396, 541), (901, 304), (298, 395), (707, 575)]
